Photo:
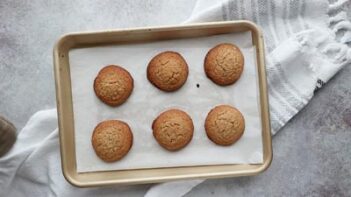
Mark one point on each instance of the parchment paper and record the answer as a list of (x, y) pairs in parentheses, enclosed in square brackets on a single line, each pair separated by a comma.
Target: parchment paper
[(147, 102)]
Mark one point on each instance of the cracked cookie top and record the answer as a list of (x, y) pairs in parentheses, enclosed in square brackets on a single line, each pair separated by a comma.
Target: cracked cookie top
[(113, 85), (224, 64), (224, 125), (173, 129), (168, 71), (112, 140)]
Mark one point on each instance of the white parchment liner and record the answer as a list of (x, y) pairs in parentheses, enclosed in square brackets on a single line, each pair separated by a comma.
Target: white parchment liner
[(146, 102)]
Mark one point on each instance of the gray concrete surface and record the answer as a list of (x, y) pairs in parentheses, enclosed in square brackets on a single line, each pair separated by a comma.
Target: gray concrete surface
[(312, 153)]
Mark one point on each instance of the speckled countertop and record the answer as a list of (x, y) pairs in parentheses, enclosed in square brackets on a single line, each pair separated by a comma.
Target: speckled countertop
[(312, 153)]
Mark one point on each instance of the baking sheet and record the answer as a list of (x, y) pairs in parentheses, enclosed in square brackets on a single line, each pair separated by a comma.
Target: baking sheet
[(146, 102)]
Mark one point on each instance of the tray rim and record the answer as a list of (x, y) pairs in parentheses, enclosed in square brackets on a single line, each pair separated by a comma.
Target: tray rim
[(65, 109)]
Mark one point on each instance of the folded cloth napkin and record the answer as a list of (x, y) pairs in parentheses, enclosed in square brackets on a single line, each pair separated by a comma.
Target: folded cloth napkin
[(306, 44)]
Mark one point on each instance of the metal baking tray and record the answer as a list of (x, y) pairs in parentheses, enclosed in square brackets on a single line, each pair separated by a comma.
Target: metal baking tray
[(149, 34)]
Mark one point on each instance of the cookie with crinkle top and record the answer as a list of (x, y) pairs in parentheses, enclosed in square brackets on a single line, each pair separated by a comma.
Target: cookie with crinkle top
[(224, 64), (168, 71), (173, 129), (224, 125), (113, 85), (112, 140)]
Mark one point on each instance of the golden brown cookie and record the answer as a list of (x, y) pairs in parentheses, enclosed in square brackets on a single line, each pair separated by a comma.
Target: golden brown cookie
[(224, 125), (168, 71), (224, 64), (112, 140), (173, 129), (113, 85)]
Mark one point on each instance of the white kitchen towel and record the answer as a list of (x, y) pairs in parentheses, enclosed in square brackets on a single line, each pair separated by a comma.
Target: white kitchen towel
[(306, 44)]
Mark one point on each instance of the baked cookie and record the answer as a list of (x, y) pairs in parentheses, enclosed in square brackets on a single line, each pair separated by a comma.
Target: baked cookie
[(112, 140), (173, 129), (113, 85), (224, 125), (224, 64), (168, 71)]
